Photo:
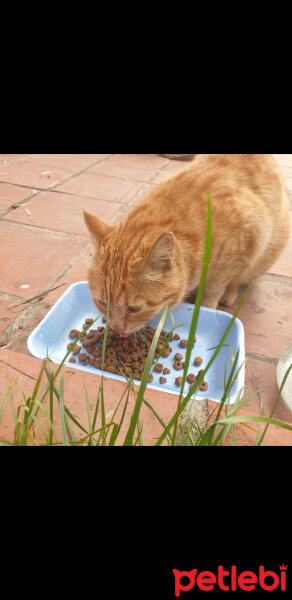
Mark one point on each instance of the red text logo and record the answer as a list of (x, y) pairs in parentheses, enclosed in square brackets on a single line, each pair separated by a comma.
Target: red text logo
[(230, 580)]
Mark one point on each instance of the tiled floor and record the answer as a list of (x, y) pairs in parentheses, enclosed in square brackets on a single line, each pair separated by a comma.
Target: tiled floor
[(45, 243)]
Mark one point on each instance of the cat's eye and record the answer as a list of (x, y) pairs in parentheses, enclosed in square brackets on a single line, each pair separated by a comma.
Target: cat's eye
[(133, 309)]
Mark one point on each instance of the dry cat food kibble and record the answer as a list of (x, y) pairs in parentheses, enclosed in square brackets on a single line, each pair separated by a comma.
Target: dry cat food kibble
[(178, 365), (183, 343), (121, 355), (74, 333), (198, 361), (203, 386), (127, 356)]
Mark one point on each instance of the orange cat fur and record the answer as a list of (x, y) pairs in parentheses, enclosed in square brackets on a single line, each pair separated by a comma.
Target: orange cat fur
[(155, 255)]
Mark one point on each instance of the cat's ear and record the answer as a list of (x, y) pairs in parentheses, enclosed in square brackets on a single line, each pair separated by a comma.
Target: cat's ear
[(97, 228), (161, 254)]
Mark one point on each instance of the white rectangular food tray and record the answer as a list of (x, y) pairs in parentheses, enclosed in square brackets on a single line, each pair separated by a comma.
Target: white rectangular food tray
[(51, 336)]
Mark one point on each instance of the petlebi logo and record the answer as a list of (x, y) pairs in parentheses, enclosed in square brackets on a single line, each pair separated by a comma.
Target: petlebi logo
[(230, 579)]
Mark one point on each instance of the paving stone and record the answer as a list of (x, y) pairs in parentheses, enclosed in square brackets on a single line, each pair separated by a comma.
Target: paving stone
[(112, 189), (283, 266), (62, 212), (33, 175), (7, 315), (266, 316), (11, 194), (6, 159), (131, 166), (70, 162), (262, 376), (33, 257)]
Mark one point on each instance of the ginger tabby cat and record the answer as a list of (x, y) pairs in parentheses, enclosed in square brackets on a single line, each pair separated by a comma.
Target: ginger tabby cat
[(155, 255)]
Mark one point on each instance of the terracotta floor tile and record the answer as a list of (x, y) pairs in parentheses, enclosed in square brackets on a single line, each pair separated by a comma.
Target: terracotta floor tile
[(32, 174), (62, 212), (78, 273), (7, 315), (15, 337), (150, 160), (266, 316), (283, 266), (127, 166), (262, 376), (10, 158), (33, 257), (10, 194), (111, 189), (26, 369), (70, 162), (174, 167)]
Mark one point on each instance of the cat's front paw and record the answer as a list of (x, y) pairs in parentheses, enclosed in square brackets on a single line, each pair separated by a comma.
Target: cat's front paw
[(229, 296), (209, 303)]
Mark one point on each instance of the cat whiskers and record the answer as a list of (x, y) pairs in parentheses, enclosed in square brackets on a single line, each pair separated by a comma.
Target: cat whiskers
[(142, 336)]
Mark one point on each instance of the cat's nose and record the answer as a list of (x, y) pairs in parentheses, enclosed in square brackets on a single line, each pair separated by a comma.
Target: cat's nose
[(123, 334)]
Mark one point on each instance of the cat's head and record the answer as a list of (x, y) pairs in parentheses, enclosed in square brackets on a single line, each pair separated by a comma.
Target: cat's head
[(140, 270)]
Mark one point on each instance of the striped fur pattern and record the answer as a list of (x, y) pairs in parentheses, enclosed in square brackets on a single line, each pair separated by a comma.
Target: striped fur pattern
[(154, 256)]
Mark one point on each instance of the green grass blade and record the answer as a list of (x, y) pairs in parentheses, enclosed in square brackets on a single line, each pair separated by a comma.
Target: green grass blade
[(190, 437), (8, 391), (62, 412), (157, 417), (33, 417), (117, 428), (97, 405), (114, 434), (85, 438), (90, 441), (134, 418), (51, 410), (240, 404), (196, 311), (207, 436), (17, 430), (67, 411), (259, 433), (139, 436), (252, 419), (189, 395)]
